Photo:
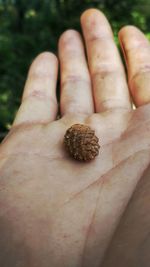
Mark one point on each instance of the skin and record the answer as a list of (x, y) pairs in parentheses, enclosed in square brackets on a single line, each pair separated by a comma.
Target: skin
[(55, 211)]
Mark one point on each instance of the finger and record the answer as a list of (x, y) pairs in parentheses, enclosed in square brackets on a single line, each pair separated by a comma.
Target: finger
[(76, 92), (107, 72), (136, 50), (39, 104)]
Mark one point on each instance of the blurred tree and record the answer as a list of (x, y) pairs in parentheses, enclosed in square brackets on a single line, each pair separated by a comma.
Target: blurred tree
[(28, 27)]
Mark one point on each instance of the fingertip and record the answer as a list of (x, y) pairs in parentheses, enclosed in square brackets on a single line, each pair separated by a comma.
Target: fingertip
[(46, 57), (126, 28), (94, 23), (89, 13), (43, 63), (68, 36), (130, 31), (131, 37)]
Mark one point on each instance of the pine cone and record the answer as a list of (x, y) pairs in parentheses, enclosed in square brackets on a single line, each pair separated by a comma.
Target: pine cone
[(81, 142)]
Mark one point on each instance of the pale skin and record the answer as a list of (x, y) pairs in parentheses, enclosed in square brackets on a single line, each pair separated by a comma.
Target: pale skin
[(55, 211)]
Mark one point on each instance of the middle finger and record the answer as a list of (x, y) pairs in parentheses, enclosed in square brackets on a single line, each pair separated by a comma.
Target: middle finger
[(108, 76)]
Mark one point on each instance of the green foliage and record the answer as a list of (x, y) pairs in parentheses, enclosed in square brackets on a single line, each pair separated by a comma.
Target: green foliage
[(28, 27)]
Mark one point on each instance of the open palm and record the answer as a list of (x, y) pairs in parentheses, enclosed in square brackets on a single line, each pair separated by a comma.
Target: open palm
[(57, 211)]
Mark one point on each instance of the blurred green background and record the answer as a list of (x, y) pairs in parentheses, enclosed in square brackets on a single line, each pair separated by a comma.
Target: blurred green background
[(28, 27)]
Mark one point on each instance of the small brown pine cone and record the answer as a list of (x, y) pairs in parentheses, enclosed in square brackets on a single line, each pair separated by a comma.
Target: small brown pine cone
[(81, 142)]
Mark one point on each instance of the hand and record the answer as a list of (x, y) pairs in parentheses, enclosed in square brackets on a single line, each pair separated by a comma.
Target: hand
[(55, 211)]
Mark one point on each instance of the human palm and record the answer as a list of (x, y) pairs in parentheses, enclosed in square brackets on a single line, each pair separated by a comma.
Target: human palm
[(58, 211)]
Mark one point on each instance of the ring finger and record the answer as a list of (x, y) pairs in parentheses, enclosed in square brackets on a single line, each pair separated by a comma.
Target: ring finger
[(76, 93)]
